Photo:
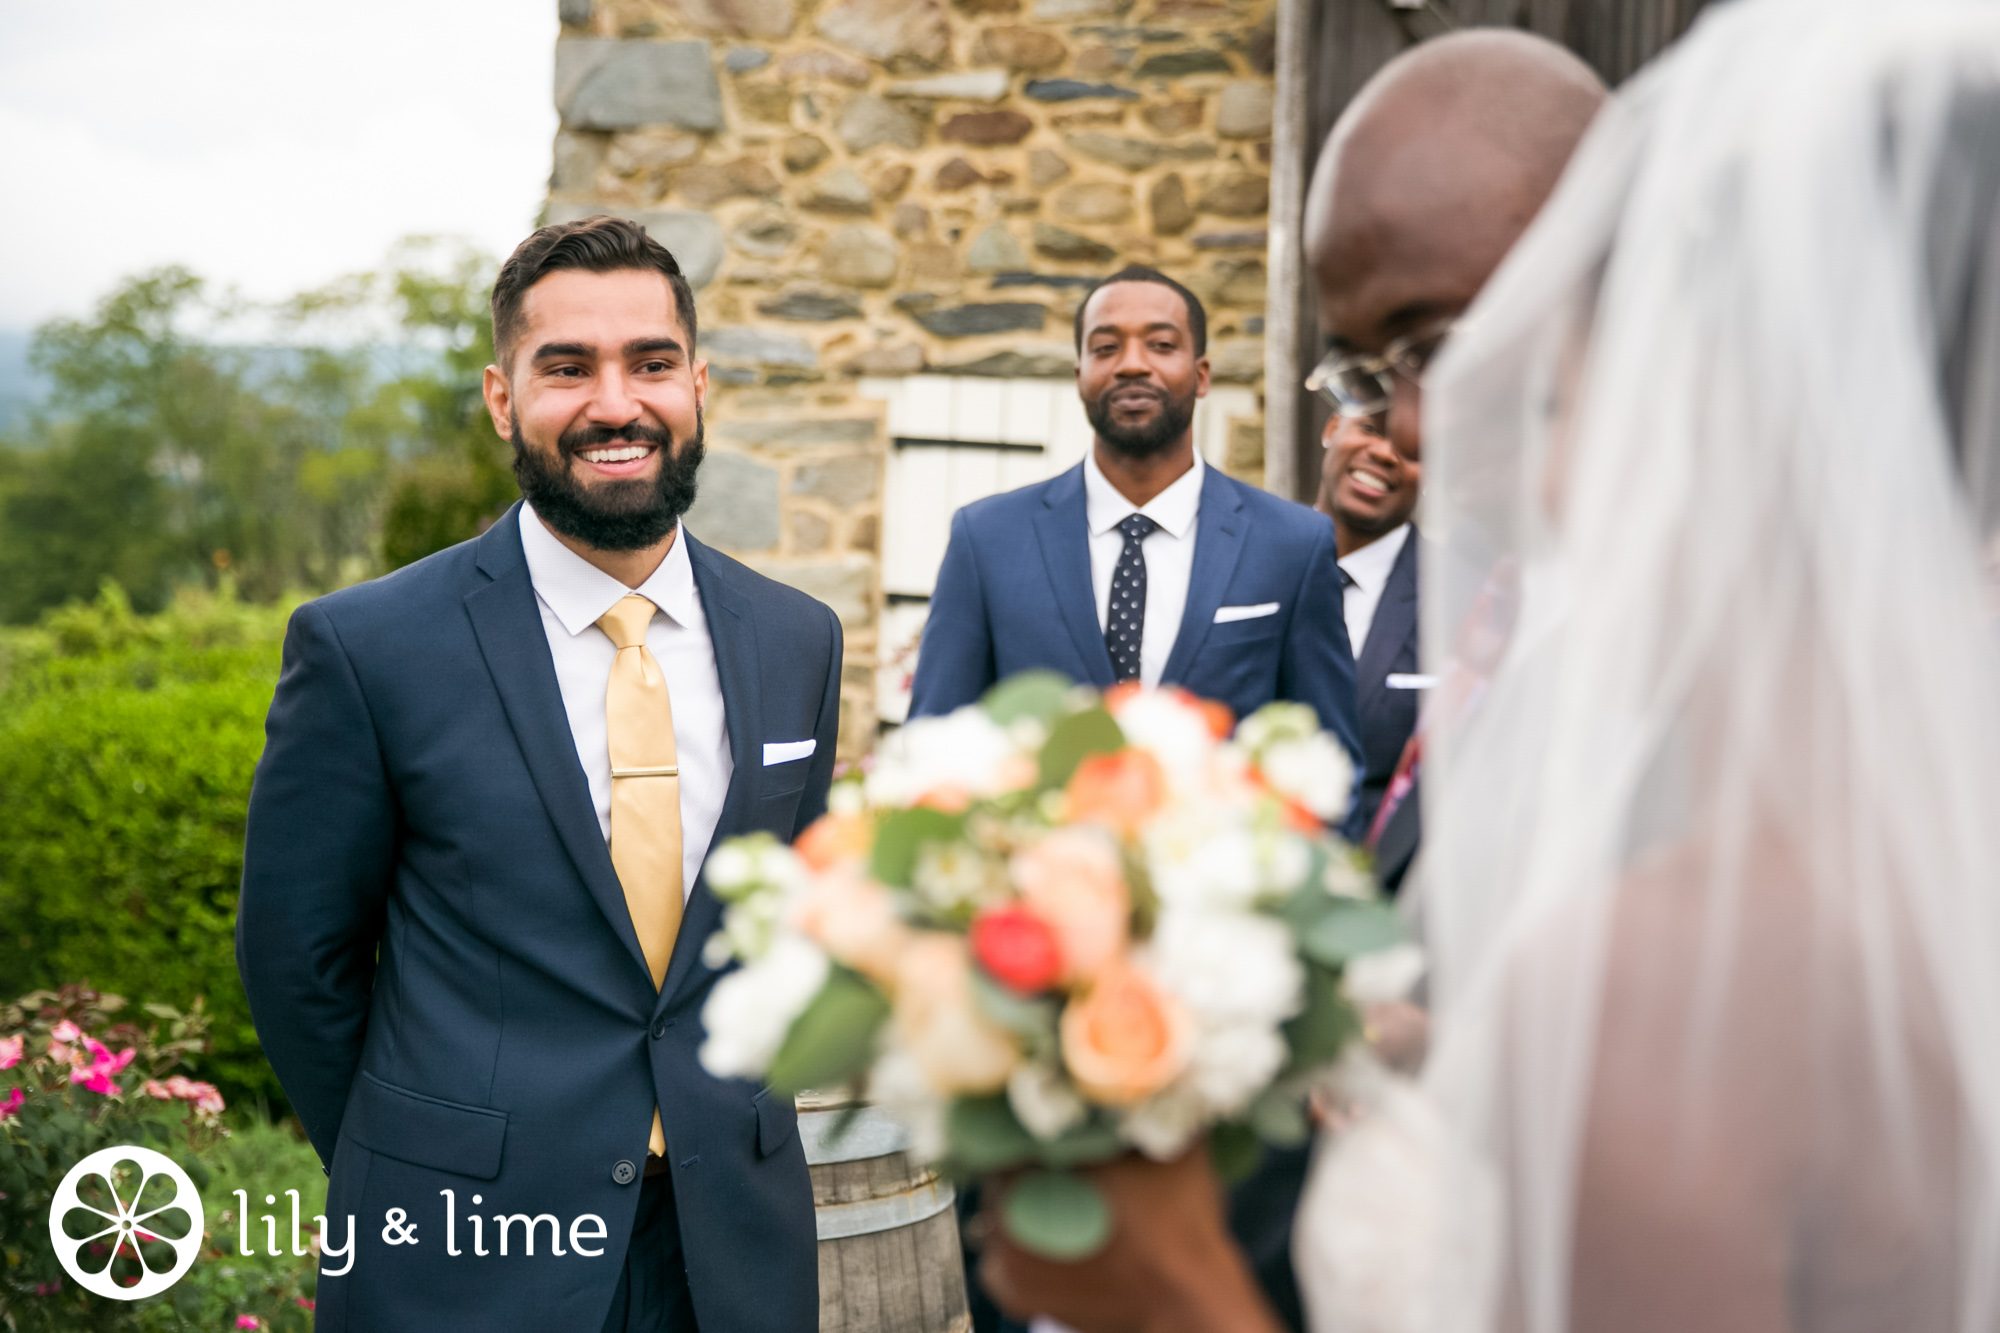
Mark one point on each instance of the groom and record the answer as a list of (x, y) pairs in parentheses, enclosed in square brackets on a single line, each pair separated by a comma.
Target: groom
[(473, 910)]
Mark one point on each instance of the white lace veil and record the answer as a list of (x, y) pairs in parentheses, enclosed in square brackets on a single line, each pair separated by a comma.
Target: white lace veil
[(1712, 879)]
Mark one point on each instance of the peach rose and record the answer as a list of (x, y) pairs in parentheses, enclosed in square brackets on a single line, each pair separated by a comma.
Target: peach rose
[(1072, 880), (853, 918), (833, 839), (936, 1024), (1121, 791), (1124, 1039)]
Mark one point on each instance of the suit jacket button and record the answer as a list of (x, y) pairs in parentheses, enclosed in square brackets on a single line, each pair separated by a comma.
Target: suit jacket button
[(659, 1029), (624, 1173)]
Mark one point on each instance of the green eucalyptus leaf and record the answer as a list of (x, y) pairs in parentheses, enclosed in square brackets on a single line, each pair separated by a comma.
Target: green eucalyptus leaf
[(1030, 1017), (1279, 1117), (1041, 695), (1075, 738), (1092, 1141), (833, 1039), (1057, 1215), (982, 1135), (902, 835), (1350, 928), (1235, 1150), (1323, 1028)]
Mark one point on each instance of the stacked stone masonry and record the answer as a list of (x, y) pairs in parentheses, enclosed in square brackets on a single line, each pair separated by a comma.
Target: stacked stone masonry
[(891, 187)]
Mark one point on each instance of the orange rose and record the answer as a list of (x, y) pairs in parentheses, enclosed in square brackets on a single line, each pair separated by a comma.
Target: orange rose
[(835, 838), (935, 1022), (853, 918), (1121, 790), (1072, 880), (1124, 1039)]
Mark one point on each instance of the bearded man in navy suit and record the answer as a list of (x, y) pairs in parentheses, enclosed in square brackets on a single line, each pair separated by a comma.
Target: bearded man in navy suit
[(473, 908), (1142, 563)]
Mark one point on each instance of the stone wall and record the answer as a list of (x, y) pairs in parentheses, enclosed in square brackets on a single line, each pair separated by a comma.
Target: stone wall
[(890, 187)]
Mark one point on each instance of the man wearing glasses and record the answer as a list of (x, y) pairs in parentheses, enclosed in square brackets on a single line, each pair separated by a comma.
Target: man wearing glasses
[(1403, 226)]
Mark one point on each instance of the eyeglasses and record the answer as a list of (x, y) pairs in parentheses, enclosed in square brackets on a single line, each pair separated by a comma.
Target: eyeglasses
[(1358, 385)]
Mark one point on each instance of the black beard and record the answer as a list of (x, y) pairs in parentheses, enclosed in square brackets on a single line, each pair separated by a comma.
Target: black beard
[(625, 515), (1155, 437)]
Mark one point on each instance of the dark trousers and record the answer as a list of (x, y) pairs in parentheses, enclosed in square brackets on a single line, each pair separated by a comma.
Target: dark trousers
[(652, 1294)]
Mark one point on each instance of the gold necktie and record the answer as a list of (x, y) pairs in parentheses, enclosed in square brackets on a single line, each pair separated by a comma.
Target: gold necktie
[(645, 794)]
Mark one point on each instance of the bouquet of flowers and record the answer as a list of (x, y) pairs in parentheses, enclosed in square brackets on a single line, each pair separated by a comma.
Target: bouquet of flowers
[(1050, 928)]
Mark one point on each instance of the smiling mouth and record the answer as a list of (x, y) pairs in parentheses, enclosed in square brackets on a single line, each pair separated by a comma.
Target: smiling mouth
[(615, 453), (1371, 485)]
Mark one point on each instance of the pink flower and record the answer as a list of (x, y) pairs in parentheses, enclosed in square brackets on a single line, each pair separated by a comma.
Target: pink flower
[(94, 1080), (12, 1105), (66, 1031), (155, 1088), (205, 1096), (10, 1051), (305, 1302), (62, 1054), (248, 1321)]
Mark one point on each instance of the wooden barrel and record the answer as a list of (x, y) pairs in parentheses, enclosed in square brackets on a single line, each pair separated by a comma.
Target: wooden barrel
[(889, 1258)]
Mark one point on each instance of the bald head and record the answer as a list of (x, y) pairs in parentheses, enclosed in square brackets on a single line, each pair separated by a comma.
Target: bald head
[(1433, 172)]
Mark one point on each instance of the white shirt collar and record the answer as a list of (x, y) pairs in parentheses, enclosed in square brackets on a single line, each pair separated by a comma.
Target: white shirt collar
[(1174, 509), (1369, 567), (580, 593)]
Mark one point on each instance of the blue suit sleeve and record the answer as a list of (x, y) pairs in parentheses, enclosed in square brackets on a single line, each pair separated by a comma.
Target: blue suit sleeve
[(826, 735), (955, 662), (1318, 665), (318, 860)]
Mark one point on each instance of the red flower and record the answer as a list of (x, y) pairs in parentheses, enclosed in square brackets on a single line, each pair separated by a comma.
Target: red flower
[(1017, 949)]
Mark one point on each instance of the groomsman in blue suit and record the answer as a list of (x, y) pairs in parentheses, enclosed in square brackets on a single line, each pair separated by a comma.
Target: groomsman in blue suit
[(1143, 563), (1370, 488), (473, 899)]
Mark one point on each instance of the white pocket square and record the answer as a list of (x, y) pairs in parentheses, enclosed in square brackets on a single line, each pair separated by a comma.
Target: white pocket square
[(1225, 614), (783, 752)]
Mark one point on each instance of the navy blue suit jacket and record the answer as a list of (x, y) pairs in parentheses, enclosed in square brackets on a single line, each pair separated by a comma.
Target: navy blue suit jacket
[(1014, 593), (1388, 716), (444, 974)]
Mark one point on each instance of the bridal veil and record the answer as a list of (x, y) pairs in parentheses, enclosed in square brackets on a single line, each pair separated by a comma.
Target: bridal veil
[(1712, 881)]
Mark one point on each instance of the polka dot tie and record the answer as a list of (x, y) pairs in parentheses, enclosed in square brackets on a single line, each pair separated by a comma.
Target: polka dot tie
[(1125, 619)]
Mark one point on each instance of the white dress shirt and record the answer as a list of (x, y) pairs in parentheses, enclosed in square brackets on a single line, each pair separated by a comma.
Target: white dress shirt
[(572, 593), (1368, 572), (1169, 555)]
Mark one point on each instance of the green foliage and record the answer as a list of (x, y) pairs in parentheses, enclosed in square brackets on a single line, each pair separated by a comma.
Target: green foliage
[(189, 437), (832, 1040), (59, 1124), (902, 836), (1057, 1215), (127, 746), (1075, 739)]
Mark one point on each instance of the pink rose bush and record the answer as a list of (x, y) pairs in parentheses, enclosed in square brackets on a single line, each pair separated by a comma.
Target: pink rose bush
[(1053, 927)]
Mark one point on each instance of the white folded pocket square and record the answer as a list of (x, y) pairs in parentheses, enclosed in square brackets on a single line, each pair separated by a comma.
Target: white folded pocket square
[(1400, 680), (783, 752), (1225, 614)]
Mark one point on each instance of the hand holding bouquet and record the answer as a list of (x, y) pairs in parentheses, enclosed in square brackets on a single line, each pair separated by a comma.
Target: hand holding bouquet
[(1050, 928)]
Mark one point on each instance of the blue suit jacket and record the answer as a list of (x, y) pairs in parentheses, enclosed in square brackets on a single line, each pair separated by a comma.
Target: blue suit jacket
[(1388, 716), (444, 974), (1015, 593)]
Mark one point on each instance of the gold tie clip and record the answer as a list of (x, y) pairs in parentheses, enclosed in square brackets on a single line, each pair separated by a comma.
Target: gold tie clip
[(670, 771)]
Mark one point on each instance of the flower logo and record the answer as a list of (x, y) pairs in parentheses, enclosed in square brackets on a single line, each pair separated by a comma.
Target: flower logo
[(126, 1223)]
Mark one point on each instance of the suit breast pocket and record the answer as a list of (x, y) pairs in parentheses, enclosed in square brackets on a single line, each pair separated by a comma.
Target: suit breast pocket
[(1235, 633), (786, 779)]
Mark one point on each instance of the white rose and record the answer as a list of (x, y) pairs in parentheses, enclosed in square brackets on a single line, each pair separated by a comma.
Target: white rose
[(1231, 1065), (1314, 771), (1228, 968), (1043, 1101), (1164, 1124), (962, 751), (1177, 735), (748, 1014), (1202, 857)]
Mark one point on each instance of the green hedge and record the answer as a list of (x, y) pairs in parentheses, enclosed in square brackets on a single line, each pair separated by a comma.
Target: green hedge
[(127, 746)]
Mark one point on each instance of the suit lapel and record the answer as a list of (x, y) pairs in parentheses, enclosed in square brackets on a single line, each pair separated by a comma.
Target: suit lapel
[(1395, 621), (1218, 542), (733, 630), (1063, 529), (516, 648)]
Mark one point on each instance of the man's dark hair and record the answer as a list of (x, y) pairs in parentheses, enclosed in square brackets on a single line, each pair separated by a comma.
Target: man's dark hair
[(1197, 318), (594, 245)]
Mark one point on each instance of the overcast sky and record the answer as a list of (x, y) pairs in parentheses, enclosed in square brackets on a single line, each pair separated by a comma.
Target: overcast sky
[(268, 143)]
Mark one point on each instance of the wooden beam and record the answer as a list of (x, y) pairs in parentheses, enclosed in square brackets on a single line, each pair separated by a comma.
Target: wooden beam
[(1285, 306)]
